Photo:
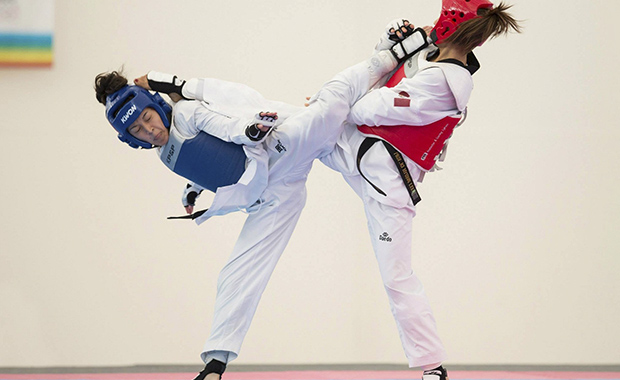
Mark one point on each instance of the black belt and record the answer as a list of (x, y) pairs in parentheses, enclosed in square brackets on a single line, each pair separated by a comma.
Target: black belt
[(191, 216), (401, 165)]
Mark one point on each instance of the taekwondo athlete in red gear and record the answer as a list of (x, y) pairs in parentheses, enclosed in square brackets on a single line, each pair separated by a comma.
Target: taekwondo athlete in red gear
[(393, 135)]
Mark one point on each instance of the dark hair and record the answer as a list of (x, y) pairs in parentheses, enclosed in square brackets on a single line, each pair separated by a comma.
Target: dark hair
[(492, 22), (108, 83)]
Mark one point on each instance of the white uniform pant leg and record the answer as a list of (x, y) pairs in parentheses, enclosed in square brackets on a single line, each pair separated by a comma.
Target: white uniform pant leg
[(390, 233), (243, 279), (292, 148), (390, 224)]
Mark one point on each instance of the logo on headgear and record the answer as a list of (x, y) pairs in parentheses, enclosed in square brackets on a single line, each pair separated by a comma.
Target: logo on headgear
[(128, 114), (453, 14)]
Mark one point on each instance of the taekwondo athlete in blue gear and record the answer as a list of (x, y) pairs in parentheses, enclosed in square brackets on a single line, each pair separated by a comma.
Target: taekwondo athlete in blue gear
[(272, 186), (179, 154)]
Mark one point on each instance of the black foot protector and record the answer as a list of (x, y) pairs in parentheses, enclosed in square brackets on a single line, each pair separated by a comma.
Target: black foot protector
[(438, 373), (214, 366)]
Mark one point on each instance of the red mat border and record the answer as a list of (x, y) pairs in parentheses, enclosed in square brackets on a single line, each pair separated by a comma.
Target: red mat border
[(327, 375)]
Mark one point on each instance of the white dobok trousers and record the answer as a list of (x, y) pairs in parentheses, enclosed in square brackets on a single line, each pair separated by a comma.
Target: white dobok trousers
[(292, 147), (390, 226)]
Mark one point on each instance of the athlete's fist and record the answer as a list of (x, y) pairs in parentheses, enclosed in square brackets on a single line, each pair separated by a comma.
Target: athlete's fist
[(395, 31), (142, 82), (190, 194), (399, 30), (262, 124)]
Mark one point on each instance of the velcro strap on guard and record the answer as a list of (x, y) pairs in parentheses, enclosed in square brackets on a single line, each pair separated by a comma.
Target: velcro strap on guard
[(410, 45)]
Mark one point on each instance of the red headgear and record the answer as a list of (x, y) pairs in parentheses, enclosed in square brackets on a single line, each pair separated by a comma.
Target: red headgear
[(453, 14)]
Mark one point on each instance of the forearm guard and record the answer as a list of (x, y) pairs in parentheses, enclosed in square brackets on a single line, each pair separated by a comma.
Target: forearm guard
[(410, 45), (165, 83)]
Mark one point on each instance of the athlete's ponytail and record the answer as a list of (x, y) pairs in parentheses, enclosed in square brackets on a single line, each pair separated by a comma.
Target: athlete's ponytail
[(492, 22), (107, 84)]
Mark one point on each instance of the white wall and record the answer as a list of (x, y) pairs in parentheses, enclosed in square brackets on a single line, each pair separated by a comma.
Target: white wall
[(516, 240)]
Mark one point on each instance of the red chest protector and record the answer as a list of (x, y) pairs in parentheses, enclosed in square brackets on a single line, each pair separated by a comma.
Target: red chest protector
[(421, 143)]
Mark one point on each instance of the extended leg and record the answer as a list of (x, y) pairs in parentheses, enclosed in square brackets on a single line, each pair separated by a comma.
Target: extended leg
[(313, 133), (244, 278)]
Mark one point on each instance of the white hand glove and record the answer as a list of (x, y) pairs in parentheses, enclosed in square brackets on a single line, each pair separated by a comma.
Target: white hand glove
[(395, 31), (260, 127), (190, 194), (410, 45)]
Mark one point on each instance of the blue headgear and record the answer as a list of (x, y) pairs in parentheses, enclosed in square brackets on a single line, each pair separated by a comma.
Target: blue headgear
[(125, 105)]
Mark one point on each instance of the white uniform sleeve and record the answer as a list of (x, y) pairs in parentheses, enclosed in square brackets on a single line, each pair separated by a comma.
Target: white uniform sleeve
[(228, 96), (420, 100), (236, 98), (192, 117)]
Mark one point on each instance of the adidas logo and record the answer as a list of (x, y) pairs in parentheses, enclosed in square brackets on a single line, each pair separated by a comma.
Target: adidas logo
[(385, 237)]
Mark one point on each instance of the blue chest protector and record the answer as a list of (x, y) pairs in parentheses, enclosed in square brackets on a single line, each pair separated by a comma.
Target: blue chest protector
[(204, 159)]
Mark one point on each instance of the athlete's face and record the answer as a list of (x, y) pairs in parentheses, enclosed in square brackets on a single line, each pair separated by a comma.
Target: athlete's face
[(149, 127)]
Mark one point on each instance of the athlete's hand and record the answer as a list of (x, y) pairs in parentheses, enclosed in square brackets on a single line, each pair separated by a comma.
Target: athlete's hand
[(260, 127), (395, 31), (190, 194), (428, 29), (266, 120), (142, 82), (399, 30)]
